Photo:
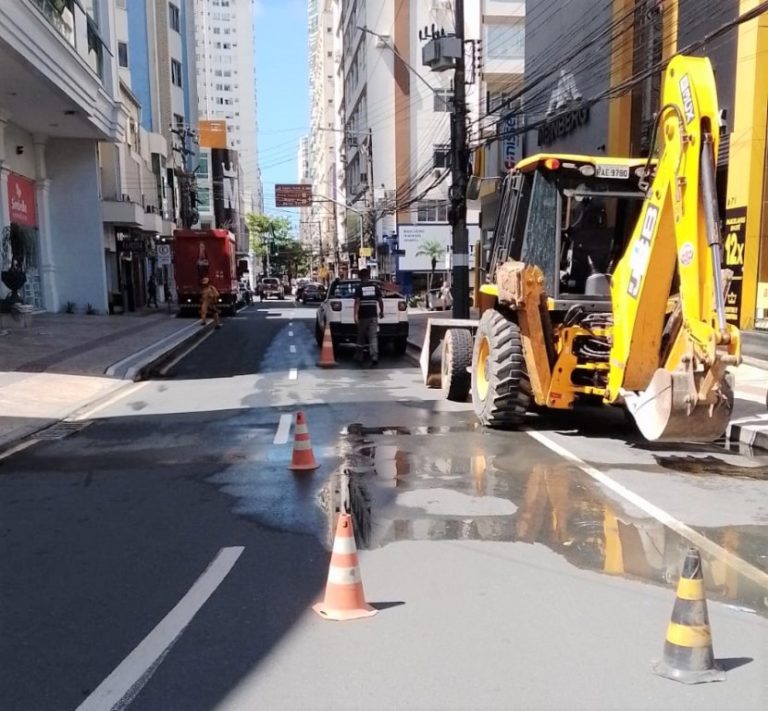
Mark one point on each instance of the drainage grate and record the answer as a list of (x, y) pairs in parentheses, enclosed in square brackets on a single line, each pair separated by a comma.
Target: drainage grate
[(61, 430)]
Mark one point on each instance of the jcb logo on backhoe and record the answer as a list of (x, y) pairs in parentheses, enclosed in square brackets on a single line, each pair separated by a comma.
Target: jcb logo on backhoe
[(641, 251), (687, 94)]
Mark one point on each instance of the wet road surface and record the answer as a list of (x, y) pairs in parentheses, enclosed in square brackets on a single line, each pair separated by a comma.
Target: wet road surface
[(503, 571)]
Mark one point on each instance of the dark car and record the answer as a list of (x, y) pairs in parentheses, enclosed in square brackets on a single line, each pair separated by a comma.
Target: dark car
[(311, 292)]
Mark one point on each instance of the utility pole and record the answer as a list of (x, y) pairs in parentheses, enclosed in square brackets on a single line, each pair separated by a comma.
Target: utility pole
[(459, 178), (187, 178), (372, 203), (442, 52)]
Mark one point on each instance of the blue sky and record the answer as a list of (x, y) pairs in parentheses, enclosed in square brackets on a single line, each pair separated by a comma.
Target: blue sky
[(282, 86)]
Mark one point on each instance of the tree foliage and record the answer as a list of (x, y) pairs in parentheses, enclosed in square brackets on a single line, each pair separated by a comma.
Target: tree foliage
[(433, 249), (281, 253)]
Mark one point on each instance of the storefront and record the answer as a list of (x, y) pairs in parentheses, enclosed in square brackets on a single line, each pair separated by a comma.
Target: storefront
[(21, 239)]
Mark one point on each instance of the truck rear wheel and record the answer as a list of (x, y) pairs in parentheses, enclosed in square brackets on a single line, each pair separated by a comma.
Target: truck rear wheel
[(501, 389), (455, 361)]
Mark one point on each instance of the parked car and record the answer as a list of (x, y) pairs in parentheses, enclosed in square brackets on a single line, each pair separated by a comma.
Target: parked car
[(311, 292), (436, 301)]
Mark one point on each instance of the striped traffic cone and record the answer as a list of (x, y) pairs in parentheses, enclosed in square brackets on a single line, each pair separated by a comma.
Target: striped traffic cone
[(688, 655), (303, 458), (327, 359), (344, 597)]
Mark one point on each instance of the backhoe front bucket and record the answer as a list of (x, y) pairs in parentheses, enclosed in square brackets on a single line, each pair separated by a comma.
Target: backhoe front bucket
[(663, 412)]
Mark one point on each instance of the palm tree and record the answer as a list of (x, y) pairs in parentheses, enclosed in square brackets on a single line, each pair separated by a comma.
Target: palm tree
[(434, 250)]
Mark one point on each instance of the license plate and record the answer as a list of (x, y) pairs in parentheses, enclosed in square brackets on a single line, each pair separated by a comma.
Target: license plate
[(616, 172)]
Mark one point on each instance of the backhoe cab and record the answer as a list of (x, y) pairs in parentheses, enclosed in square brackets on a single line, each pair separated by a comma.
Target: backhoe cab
[(605, 283)]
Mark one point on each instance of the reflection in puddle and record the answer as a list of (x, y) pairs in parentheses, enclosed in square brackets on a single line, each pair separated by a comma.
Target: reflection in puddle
[(712, 465), (402, 487)]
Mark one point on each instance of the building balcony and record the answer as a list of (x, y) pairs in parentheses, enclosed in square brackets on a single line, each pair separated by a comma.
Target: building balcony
[(58, 76), (152, 220), (122, 212)]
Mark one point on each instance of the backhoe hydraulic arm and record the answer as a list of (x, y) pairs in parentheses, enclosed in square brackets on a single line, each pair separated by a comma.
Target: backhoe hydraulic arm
[(671, 345)]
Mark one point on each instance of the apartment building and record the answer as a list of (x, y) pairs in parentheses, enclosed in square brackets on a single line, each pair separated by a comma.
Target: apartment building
[(59, 97), (326, 136), (391, 154), (224, 38)]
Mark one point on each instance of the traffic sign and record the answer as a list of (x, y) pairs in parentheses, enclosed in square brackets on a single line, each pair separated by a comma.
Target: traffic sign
[(293, 195), (164, 254)]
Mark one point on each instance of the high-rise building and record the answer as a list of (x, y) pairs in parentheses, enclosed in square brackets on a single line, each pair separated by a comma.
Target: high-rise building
[(226, 86), (381, 120)]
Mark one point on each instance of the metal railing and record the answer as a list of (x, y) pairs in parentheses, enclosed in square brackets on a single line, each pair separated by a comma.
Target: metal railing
[(56, 18)]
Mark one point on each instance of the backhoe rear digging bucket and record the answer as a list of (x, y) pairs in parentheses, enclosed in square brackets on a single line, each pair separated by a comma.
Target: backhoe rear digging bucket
[(663, 411)]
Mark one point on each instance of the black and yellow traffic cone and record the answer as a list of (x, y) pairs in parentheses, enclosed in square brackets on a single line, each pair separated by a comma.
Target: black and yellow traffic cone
[(688, 655)]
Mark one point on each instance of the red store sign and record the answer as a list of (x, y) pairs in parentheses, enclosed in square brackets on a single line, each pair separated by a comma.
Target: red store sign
[(21, 200)]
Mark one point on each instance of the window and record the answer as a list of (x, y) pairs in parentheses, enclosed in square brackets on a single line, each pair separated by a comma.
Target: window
[(174, 17), (432, 211), (443, 100), (442, 155), (176, 73), (122, 53), (202, 165), (203, 199), (505, 41)]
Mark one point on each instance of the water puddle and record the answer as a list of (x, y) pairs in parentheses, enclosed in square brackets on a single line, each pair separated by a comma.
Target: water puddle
[(401, 486)]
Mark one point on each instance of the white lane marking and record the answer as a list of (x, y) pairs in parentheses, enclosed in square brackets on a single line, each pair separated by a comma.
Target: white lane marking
[(741, 566), (132, 674), (290, 333), (293, 374), (283, 430), (17, 448), (119, 395), (293, 349)]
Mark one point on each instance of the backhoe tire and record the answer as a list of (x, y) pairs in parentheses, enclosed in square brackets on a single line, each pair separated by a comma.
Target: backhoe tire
[(455, 361), (501, 389)]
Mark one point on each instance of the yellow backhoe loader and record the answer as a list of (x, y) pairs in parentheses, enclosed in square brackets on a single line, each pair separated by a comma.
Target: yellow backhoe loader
[(605, 284)]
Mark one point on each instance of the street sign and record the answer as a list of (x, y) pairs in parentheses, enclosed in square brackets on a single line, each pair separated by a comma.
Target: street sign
[(164, 254), (366, 251), (293, 195)]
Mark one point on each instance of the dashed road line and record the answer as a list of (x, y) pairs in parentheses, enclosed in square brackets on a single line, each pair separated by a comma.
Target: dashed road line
[(293, 374), (290, 333), (702, 542), (17, 448), (283, 430), (133, 673), (293, 349)]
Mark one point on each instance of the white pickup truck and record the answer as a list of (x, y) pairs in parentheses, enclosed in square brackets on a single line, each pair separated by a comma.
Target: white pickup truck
[(338, 310)]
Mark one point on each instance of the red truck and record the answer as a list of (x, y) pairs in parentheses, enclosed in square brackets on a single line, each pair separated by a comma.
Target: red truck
[(205, 253)]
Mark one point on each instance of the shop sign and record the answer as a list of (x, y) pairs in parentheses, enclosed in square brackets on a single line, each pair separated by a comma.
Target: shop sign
[(512, 140), (734, 241), (563, 125), (21, 200), (132, 244)]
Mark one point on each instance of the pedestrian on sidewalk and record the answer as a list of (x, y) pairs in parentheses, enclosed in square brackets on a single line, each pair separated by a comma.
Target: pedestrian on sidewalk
[(209, 298), (152, 291), (369, 307)]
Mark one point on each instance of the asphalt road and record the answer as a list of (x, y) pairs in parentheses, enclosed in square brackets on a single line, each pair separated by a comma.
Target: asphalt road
[(163, 557)]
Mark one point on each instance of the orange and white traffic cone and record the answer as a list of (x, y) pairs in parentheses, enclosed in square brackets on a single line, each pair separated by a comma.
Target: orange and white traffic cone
[(344, 597), (327, 359), (303, 458)]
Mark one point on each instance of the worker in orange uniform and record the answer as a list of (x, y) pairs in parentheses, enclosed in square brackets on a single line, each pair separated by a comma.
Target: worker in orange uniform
[(209, 298)]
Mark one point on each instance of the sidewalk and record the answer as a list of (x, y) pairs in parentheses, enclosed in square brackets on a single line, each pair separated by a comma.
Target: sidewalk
[(58, 364), (749, 424)]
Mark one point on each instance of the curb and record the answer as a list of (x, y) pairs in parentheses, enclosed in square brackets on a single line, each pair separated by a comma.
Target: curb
[(143, 363), (751, 434)]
